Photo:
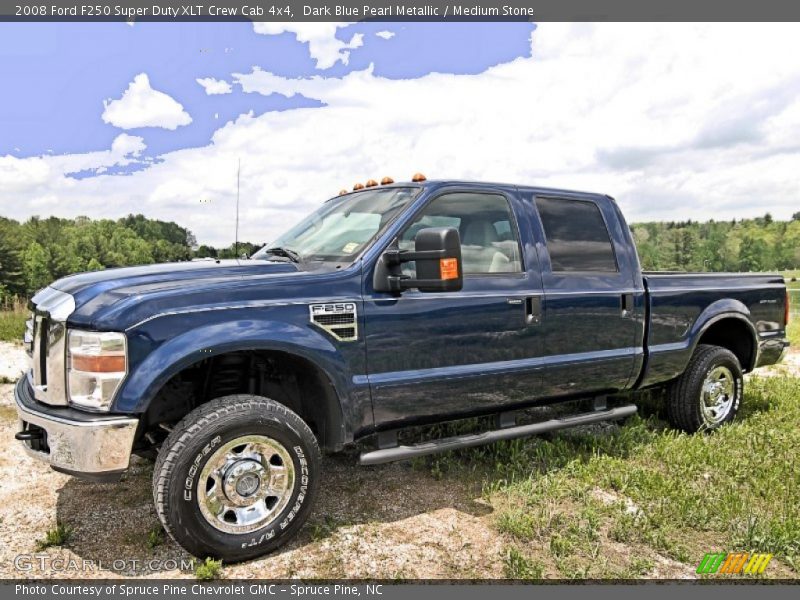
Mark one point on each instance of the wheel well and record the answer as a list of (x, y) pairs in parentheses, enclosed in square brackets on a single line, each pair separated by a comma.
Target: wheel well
[(291, 380), (736, 336)]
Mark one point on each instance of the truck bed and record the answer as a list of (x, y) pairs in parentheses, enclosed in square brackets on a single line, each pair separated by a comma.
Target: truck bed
[(679, 302)]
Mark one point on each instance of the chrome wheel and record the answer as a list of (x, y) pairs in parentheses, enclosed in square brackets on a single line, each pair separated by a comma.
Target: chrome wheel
[(717, 395), (246, 484)]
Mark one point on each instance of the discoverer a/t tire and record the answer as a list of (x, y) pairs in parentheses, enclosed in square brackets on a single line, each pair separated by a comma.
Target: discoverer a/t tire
[(708, 393), (236, 478)]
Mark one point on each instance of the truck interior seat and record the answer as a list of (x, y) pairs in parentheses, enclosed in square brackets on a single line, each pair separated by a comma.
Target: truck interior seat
[(482, 251)]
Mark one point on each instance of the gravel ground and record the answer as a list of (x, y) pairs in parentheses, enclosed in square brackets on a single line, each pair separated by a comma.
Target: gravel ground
[(369, 522), (13, 361)]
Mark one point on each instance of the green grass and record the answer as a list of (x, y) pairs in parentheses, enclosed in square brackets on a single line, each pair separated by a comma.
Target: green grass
[(155, 537), (610, 502), (12, 321), (517, 566), (208, 569), (793, 330), (788, 276), (58, 536)]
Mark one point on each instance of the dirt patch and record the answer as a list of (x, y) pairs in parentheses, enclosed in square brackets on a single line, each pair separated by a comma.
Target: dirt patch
[(13, 362), (789, 366)]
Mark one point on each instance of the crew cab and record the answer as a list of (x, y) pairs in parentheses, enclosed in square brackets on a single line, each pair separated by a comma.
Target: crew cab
[(391, 306)]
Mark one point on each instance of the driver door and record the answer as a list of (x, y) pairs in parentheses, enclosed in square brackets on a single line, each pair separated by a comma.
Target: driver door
[(430, 355)]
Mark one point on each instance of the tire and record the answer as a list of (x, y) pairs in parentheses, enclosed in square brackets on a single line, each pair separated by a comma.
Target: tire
[(236, 478), (709, 392)]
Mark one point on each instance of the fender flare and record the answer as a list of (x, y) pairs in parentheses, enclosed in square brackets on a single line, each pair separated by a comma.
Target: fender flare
[(719, 311), (143, 383)]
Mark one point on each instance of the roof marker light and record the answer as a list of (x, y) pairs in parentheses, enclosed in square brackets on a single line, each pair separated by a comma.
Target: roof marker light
[(371, 183), (358, 186), (342, 192), (387, 181), (418, 177)]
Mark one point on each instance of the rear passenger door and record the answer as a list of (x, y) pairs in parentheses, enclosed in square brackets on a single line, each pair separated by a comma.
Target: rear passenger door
[(589, 322)]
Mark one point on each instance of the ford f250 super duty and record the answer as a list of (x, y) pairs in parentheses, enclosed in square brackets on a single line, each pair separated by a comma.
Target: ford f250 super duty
[(390, 307)]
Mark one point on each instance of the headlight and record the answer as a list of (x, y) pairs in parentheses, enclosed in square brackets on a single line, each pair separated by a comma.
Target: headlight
[(96, 365)]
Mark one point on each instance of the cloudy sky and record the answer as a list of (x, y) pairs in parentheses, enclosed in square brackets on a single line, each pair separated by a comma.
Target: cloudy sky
[(676, 121)]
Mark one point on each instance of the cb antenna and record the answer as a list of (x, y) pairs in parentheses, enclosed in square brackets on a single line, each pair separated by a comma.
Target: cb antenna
[(236, 235)]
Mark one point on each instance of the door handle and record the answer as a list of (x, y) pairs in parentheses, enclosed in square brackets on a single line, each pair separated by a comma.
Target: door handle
[(533, 310), (626, 304)]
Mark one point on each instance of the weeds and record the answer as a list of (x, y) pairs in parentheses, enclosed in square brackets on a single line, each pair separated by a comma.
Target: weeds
[(208, 569), (57, 536), (155, 537), (320, 531), (13, 314), (517, 566)]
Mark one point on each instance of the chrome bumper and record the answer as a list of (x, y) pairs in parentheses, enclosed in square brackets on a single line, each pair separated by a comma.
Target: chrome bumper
[(90, 446)]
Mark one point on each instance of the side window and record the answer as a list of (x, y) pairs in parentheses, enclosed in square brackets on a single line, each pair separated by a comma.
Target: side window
[(489, 241), (577, 237)]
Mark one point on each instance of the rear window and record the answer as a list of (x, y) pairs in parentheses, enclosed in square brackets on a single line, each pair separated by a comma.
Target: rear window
[(577, 237)]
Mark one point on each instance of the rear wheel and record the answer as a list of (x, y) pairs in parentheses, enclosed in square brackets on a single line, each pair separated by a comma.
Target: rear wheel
[(236, 478), (709, 392)]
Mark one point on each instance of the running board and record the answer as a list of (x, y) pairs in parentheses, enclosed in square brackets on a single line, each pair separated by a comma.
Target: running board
[(385, 455)]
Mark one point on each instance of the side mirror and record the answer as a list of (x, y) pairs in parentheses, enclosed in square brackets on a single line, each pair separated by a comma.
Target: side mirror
[(437, 252)]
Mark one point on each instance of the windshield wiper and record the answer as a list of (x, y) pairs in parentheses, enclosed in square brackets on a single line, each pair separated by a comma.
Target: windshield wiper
[(290, 254)]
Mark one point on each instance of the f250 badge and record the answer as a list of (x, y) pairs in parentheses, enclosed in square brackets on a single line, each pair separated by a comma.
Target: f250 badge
[(337, 318)]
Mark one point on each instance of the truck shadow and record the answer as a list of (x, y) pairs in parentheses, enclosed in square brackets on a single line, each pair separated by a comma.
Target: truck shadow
[(115, 525)]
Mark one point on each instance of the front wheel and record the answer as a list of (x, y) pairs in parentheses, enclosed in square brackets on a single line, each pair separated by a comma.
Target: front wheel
[(709, 392), (236, 478)]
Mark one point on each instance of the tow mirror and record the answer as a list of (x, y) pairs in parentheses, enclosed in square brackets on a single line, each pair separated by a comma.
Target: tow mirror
[(437, 252)]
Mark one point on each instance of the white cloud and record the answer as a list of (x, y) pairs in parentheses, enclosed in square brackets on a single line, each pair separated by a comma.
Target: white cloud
[(215, 86), (127, 145), (676, 121), (142, 106), (323, 45), (386, 35)]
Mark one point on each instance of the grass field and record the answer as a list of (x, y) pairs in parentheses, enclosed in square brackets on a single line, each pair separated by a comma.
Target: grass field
[(789, 275), (636, 500), (12, 320)]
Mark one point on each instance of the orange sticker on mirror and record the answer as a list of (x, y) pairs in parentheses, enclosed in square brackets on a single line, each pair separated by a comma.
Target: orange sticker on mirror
[(448, 268)]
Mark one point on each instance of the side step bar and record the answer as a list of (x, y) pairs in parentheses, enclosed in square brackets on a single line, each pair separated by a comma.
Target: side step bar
[(385, 455)]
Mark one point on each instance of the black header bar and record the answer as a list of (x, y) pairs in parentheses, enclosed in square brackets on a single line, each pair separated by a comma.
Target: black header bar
[(399, 10)]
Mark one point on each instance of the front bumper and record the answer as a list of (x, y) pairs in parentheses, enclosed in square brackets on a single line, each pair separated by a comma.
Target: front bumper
[(94, 447)]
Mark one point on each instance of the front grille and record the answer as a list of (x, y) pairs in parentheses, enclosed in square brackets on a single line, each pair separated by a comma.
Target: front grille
[(28, 338), (48, 340), (39, 350)]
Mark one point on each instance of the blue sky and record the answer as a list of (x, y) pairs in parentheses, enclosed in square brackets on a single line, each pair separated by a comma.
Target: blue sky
[(61, 73), (676, 121)]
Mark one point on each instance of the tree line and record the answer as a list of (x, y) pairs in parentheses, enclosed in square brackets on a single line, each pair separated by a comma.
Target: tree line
[(760, 244), (39, 251)]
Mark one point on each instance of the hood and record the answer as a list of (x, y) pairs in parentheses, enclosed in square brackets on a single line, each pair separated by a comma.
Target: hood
[(132, 292)]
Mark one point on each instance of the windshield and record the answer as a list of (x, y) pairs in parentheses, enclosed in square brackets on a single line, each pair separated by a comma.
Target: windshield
[(341, 228)]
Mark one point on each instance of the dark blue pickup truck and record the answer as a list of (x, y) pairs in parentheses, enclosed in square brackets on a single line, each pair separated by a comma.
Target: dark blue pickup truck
[(392, 306)]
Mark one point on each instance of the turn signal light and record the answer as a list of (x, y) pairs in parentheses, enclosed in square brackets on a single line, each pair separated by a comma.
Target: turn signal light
[(387, 181), (371, 183), (418, 177), (98, 364), (448, 267), (358, 186)]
